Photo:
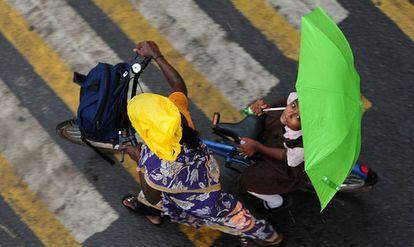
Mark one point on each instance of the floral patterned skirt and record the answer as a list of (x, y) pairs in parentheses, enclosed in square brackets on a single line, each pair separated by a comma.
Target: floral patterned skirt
[(220, 211)]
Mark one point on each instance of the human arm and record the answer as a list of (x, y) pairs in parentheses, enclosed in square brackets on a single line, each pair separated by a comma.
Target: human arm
[(258, 106), (174, 79), (250, 147)]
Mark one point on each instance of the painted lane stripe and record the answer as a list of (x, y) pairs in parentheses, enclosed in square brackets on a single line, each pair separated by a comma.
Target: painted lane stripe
[(53, 177), (240, 30), (129, 165), (135, 25), (137, 28), (401, 12), (15, 230), (204, 236), (122, 45), (40, 55), (113, 36), (66, 33), (71, 38), (111, 181), (294, 10), (274, 26), (206, 45), (201, 237), (31, 210), (45, 61)]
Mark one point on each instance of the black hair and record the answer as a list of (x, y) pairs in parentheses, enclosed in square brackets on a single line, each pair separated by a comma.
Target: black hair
[(190, 137)]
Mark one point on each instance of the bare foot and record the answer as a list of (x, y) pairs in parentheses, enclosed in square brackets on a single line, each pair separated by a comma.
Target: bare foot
[(156, 220)]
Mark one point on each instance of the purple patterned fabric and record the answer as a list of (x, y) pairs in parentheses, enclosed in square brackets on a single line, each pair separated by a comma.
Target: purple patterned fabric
[(191, 194)]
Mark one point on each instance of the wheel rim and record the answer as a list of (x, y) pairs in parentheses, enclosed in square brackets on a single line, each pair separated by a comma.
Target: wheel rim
[(352, 182), (69, 130)]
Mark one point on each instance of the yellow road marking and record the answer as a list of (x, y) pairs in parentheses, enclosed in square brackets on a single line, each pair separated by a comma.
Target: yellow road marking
[(272, 25), (129, 165), (31, 210), (366, 104), (46, 63), (207, 97), (201, 237), (401, 12), (58, 76), (276, 29)]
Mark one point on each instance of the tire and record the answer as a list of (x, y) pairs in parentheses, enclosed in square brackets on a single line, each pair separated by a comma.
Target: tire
[(353, 183), (69, 130)]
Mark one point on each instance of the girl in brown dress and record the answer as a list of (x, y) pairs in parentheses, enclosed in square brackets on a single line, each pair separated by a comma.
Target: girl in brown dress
[(278, 166)]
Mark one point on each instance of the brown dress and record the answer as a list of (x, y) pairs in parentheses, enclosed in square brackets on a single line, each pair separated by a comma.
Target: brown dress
[(270, 176)]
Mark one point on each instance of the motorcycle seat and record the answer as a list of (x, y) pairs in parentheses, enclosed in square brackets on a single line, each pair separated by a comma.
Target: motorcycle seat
[(250, 126)]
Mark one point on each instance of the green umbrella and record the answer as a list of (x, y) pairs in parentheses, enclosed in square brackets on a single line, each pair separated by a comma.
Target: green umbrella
[(330, 104)]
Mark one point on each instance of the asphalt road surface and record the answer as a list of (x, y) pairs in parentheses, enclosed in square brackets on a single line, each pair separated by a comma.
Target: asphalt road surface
[(55, 193)]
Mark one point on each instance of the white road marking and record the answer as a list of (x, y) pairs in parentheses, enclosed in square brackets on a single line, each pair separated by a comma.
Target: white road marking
[(67, 33), (203, 42), (294, 10), (48, 171), (8, 231)]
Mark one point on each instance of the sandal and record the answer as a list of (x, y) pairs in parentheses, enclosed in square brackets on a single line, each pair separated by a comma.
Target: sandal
[(137, 207)]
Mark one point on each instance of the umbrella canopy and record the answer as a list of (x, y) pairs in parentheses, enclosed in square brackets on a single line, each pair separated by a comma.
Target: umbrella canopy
[(330, 104)]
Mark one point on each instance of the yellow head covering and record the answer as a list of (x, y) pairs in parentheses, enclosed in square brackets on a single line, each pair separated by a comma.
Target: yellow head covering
[(158, 121)]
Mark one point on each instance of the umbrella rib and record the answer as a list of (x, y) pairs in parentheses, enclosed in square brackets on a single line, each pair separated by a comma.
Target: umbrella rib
[(330, 40)]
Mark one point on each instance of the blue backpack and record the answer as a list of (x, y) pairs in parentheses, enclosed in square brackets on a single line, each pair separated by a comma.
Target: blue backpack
[(103, 100), (102, 111)]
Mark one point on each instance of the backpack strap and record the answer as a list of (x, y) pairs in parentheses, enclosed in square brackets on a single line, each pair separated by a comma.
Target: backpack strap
[(79, 78), (144, 63), (135, 84)]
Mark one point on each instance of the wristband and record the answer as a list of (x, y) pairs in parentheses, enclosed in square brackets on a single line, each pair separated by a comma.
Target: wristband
[(155, 58)]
